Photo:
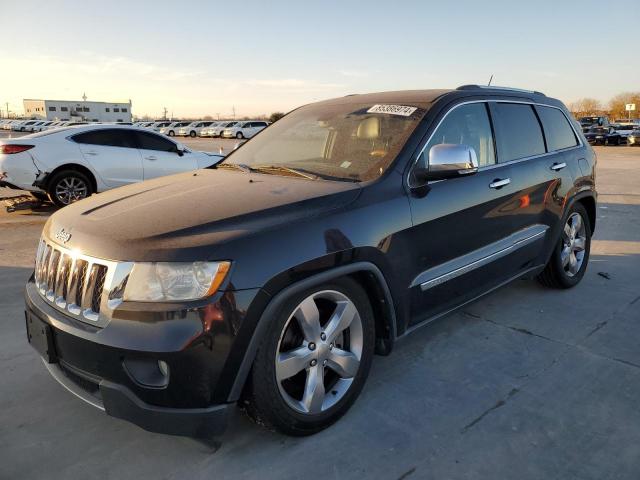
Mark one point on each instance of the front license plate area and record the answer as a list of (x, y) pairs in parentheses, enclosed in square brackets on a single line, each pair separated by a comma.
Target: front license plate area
[(40, 337)]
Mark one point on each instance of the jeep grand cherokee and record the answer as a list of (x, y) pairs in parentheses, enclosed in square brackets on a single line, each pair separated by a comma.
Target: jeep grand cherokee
[(271, 279)]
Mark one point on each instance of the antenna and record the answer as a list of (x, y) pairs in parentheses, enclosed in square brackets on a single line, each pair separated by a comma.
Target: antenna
[(490, 78)]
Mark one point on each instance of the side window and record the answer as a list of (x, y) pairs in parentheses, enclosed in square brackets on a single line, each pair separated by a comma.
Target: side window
[(107, 138), (466, 125), (557, 129), (150, 141), (518, 131)]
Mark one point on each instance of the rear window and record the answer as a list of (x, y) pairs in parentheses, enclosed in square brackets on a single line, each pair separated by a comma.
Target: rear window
[(557, 129), (107, 137), (518, 131)]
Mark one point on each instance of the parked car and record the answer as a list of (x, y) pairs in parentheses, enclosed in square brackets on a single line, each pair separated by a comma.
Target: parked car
[(192, 129), (216, 130), (208, 131), (588, 122), (171, 129), (244, 129), (71, 163), (624, 130), (156, 126), (603, 136), (634, 137), (38, 126), (273, 278), (23, 126)]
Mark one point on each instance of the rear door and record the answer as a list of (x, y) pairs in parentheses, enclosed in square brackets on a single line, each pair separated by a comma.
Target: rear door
[(113, 154), (160, 156)]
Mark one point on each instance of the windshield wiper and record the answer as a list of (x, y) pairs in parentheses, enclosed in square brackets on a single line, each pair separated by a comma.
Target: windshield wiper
[(237, 166), (280, 168)]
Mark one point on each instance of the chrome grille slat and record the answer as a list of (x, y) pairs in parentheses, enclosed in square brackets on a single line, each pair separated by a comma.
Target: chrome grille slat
[(77, 284)]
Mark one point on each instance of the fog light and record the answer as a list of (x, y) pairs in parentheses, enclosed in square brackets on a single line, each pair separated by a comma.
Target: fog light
[(164, 368)]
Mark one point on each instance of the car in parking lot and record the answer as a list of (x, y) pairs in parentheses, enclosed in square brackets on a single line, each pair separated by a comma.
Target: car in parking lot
[(208, 131), (171, 129), (634, 137), (598, 121), (71, 163), (244, 129), (603, 136), (273, 278), (192, 129), (23, 126), (217, 129)]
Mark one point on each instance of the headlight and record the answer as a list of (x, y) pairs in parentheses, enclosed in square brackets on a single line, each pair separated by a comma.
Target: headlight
[(172, 281)]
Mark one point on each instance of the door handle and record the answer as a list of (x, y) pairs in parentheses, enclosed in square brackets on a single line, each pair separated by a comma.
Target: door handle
[(91, 152), (499, 183), (151, 157), (558, 166)]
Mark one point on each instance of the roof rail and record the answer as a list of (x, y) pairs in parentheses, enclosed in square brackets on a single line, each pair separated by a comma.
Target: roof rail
[(491, 87)]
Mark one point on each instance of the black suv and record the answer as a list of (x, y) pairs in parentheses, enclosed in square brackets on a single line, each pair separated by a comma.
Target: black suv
[(271, 279)]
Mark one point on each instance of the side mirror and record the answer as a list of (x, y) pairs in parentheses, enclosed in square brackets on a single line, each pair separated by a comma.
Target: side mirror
[(179, 150), (448, 161)]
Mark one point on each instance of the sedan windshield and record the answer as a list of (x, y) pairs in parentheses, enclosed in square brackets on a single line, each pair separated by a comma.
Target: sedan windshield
[(348, 142)]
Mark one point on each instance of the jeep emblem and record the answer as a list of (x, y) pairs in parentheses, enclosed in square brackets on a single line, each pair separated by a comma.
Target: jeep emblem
[(63, 236)]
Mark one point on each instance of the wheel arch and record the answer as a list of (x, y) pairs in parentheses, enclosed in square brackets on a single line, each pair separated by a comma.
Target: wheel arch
[(589, 204), (376, 288), (72, 166)]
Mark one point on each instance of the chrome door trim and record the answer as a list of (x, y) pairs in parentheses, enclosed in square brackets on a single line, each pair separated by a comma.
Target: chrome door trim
[(500, 183), (470, 261), (558, 166), (499, 164)]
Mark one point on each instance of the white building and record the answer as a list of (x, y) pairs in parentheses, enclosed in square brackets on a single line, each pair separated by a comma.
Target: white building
[(80, 110)]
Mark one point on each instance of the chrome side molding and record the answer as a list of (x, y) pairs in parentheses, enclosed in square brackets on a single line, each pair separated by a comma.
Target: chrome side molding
[(466, 263)]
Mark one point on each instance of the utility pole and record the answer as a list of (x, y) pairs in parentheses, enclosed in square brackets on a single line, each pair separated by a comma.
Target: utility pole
[(234, 112), (164, 116), (7, 105)]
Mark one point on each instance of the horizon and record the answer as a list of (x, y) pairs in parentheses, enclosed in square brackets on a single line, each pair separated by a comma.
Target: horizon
[(214, 62)]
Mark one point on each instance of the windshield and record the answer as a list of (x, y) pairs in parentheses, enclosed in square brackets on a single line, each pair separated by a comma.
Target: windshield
[(350, 141), (588, 120)]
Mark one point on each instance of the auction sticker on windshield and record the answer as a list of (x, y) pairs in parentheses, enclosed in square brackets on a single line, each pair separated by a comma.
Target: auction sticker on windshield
[(402, 110)]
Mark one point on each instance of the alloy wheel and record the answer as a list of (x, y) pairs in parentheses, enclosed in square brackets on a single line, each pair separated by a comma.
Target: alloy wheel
[(574, 240), (319, 352), (71, 189)]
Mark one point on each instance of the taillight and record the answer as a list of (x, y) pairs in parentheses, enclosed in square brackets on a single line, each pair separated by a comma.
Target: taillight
[(9, 149)]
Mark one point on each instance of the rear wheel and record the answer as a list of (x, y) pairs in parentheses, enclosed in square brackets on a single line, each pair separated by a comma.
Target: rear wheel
[(570, 257), (239, 136), (171, 133), (192, 133), (69, 186), (314, 360)]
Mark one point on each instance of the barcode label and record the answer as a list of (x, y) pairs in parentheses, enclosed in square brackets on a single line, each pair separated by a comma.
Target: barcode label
[(402, 110)]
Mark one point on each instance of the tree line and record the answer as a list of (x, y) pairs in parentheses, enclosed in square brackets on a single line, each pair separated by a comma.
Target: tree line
[(615, 109)]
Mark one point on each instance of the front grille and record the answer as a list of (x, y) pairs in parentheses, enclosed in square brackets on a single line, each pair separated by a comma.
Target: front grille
[(72, 282)]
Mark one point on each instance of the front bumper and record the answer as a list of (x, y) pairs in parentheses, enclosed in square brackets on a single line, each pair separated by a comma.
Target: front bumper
[(109, 367)]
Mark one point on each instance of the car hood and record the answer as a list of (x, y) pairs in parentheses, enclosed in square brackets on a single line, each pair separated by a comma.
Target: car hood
[(181, 217)]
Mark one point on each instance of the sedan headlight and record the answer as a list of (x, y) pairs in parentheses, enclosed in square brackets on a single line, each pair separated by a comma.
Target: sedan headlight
[(174, 281)]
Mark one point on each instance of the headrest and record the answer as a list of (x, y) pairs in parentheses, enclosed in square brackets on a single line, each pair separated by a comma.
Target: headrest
[(369, 128)]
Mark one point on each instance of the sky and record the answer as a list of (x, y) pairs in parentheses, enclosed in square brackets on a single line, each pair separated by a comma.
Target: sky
[(202, 58)]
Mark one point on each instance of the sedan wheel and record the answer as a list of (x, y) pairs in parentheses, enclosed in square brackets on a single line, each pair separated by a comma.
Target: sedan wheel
[(69, 186), (239, 135)]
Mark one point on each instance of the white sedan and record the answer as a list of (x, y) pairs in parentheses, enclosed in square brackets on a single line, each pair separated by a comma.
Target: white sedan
[(244, 129), (71, 163)]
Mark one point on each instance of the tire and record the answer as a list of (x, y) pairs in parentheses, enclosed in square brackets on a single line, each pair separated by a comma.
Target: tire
[(239, 136), (41, 196), (192, 134), (291, 405), (171, 133), (556, 273), (76, 184)]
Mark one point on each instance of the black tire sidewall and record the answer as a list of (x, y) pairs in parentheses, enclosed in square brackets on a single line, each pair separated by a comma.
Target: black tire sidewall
[(265, 391), (565, 280), (57, 178), (239, 135)]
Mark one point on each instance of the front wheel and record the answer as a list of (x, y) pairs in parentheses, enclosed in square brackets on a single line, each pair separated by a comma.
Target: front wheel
[(171, 134), (192, 134), (239, 136), (314, 359), (68, 186), (570, 257)]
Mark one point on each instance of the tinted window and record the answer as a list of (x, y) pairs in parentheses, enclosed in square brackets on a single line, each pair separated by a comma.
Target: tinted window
[(557, 129), (260, 124), (149, 141), (107, 137), (466, 125), (518, 131)]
